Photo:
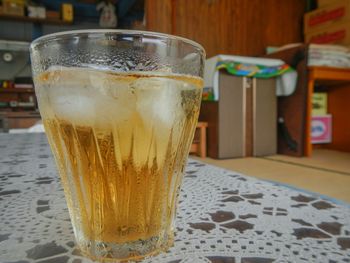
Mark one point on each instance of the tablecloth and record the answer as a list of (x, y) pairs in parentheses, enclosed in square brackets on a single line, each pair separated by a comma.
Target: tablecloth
[(223, 216)]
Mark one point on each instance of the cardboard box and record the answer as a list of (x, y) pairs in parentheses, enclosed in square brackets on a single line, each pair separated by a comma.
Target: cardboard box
[(319, 103), (338, 11), (338, 33), (321, 129), (323, 3)]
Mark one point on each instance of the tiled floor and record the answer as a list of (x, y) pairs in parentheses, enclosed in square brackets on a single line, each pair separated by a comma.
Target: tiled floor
[(326, 172)]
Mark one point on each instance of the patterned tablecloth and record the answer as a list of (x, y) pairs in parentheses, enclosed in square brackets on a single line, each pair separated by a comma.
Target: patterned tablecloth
[(223, 216)]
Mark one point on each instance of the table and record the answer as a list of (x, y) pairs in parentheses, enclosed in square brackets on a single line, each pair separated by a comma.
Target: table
[(223, 216), (328, 76)]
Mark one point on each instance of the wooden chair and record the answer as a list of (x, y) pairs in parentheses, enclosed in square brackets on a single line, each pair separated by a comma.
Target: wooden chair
[(199, 144)]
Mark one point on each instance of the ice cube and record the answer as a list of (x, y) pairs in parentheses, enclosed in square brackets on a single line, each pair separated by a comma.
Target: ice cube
[(74, 104), (115, 99), (158, 100), (90, 97), (159, 106)]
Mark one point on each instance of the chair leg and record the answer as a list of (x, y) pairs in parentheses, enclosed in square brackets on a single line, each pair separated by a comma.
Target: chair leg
[(203, 142)]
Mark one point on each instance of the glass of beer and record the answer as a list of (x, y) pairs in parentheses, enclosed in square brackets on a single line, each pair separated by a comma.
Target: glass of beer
[(120, 109)]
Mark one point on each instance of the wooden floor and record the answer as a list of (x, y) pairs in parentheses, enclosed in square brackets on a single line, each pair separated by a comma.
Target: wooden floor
[(326, 172)]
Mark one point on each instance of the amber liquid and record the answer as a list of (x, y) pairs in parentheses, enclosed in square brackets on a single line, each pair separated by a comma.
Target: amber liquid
[(121, 167)]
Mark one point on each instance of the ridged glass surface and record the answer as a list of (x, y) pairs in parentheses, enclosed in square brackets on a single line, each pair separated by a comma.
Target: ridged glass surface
[(120, 142)]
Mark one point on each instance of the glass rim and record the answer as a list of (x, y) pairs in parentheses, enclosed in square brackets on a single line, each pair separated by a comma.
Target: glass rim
[(54, 36)]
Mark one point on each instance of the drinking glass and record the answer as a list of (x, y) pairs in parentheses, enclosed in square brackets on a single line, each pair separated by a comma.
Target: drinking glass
[(120, 109)]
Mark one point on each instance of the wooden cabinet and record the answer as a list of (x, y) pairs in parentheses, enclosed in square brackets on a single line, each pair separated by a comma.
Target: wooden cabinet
[(243, 122), (229, 26)]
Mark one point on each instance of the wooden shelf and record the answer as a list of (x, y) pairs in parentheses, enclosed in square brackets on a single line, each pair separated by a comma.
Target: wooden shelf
[(16, 109), (330, 75), (33, 20), (16, 90)]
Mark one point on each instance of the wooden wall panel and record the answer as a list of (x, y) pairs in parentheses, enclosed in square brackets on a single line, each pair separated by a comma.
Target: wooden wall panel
[(205, 23), (283, 21), (229, 26), (158, 15)]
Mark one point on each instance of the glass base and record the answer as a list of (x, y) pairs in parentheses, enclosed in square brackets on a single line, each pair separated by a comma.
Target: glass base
[(124, 252)]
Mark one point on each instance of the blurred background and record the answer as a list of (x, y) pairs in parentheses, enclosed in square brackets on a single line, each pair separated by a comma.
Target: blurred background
[(277, 79)]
